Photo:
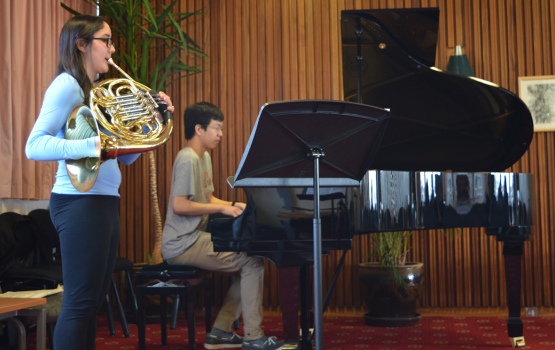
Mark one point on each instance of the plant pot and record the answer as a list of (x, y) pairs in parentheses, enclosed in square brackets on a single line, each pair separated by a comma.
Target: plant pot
[(389, 304)]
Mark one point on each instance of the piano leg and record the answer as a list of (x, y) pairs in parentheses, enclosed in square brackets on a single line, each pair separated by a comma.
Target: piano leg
[(289, 303), (512, 252), (290, 293)]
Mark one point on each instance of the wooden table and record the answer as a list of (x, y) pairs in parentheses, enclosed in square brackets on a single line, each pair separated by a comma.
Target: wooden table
[(12, 307)]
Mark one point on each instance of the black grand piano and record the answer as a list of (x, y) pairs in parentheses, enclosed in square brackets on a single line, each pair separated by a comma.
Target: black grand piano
[(441, 163)]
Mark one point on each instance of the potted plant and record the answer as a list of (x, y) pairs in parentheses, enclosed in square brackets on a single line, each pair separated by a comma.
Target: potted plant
[(389, 284), (149, 48)]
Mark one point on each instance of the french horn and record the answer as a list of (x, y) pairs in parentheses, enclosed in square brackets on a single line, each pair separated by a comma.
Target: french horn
[(126, 115)]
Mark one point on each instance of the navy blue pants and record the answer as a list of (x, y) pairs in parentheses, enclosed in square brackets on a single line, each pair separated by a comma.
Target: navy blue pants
[(88, 226)]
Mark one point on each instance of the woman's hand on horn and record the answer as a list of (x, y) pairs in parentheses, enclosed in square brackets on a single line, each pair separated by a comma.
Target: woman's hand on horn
[(168, 101)]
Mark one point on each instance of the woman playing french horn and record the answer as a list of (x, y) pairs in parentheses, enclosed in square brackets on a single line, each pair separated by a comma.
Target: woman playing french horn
[(88, 223)]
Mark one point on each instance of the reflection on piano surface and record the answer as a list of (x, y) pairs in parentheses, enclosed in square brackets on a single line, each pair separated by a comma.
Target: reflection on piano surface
[(280, 222), (440, 164), (396, 200)]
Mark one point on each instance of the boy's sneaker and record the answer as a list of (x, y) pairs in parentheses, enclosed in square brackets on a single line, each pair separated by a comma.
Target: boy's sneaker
[(263, 343), (231, 340)]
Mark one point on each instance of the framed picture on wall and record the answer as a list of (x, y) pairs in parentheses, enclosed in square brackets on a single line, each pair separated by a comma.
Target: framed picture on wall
[(538, 93)]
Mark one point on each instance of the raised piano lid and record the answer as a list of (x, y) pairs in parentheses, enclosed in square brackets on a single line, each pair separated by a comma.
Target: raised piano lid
[(439, 121)]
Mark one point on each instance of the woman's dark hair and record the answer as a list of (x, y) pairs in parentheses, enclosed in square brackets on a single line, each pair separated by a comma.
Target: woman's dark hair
[(82, 27), (201, 113)]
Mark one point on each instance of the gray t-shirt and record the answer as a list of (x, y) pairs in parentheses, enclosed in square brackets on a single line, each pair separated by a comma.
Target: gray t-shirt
[(191, 177)]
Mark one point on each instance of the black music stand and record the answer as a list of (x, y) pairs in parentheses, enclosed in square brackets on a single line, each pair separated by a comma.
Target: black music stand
[(312, 143)]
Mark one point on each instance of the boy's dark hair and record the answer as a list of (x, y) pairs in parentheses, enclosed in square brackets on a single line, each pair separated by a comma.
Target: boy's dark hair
[(201, 113)]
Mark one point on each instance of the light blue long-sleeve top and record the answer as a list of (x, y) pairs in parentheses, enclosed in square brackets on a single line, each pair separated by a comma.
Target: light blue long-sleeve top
[(47, 143)]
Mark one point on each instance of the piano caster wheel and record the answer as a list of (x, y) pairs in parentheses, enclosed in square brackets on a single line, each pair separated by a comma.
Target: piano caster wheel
[(517, 342)]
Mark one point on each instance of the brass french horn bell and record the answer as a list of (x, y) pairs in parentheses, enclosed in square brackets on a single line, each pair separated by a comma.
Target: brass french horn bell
[(126, 115)]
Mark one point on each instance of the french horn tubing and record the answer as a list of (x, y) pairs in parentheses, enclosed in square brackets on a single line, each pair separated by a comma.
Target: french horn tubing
[(126, 115)]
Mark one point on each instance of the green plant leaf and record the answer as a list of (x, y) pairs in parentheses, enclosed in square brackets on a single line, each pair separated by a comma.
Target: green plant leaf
[(149, 43), (390, 249)]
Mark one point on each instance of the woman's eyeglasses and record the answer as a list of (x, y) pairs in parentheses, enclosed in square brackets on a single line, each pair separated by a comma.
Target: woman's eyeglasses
[(108, 41)]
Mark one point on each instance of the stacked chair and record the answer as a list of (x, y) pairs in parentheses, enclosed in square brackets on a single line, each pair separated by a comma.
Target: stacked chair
[(30, 259)]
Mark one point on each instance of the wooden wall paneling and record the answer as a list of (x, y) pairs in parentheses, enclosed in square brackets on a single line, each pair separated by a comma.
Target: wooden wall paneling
[(475, 41), (322, 48), (537, 30), (487, 260), (546, 30), (420, 253), (239, 92), (465, 285), (348, 280), (305, 48), (549, 247), (460, 270), (317, 37), (285, 54), (439, 254), (449, 257), (273, 61), (328, 268), (535, 44), (336, 69), (529, 41), (521, 36), (548, 209), (329, 264), (473, 256), (366, 252), (526, 268), (504, 54), (431, 271), (459, 277), (453, 25), (344, 281), (436, 251), (467, 30), (356, 256), (433, 256), (294, 69), (533, 271), (227, 99), (486, 59), (542, 178), (449, 265), (494, 32), (551, 34)]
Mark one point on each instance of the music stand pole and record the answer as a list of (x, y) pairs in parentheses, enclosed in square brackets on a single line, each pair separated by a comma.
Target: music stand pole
[(317, 232)]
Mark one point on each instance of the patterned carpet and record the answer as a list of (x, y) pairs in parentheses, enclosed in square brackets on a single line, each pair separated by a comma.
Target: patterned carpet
[(350, 332)]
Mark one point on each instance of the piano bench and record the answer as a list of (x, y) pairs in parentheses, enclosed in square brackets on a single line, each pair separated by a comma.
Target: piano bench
[(181, 281)]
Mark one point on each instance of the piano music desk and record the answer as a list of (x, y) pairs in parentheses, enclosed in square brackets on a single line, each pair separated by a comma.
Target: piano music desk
[(12, 307)]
